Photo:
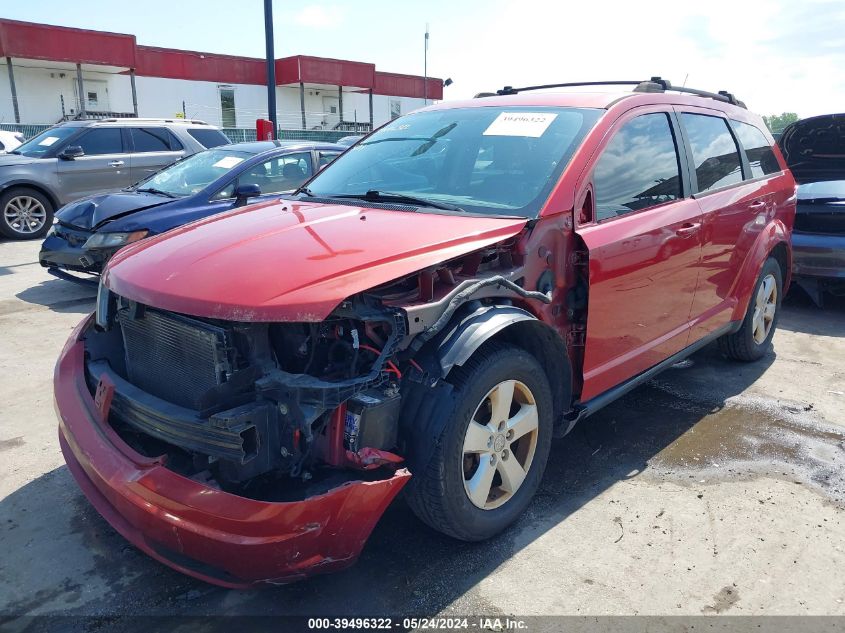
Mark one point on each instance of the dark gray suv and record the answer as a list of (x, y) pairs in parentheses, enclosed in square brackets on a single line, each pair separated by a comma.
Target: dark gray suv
[(83, 158)]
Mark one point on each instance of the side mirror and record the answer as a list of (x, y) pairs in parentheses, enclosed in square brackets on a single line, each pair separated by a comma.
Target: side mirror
[(71, 151), (244, 192)]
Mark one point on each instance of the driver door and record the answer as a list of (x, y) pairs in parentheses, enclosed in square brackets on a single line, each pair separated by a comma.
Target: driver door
[(104, 167), (644, 241)]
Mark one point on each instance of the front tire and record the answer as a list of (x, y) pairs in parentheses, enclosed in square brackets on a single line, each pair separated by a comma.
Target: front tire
[(25, 214), (754, 337), (487, 462)]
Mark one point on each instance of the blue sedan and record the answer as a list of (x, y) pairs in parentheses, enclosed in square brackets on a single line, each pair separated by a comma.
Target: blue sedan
[(86, 233)]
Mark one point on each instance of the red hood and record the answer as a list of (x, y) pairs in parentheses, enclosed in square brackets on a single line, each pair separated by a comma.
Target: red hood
[(291, 261)]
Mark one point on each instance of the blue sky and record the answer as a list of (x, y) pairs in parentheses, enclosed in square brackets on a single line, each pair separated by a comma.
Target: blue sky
[(777, 55)]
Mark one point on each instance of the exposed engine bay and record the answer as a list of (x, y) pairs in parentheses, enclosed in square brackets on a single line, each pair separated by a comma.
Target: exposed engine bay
[(245, 405)]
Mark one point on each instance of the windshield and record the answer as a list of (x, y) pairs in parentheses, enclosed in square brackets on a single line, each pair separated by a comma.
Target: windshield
[(490, 160), (194, 173), (39, 146)]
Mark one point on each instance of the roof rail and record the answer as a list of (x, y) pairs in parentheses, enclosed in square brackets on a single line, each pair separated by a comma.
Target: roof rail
[(655, 84), (152, 120)]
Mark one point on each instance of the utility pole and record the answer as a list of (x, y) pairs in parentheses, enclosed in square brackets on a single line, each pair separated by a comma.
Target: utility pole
[(425, 66), (271, 66)]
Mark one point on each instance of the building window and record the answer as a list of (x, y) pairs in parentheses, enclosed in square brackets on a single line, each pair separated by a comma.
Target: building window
[(227, 106), (92, 99), (395, 108)]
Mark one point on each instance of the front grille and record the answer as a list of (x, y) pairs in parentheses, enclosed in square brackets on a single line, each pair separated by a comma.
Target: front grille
[(826, 222), (173, 357)]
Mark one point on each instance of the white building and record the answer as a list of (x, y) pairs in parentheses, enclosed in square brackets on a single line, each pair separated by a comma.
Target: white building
[(56, 73)]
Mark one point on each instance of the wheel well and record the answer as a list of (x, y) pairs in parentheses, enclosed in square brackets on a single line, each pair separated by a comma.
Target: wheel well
[(781, 254), (542, 342), (35, 187)]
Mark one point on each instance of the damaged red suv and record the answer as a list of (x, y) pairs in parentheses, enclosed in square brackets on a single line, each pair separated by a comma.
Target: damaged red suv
[(454, 291)]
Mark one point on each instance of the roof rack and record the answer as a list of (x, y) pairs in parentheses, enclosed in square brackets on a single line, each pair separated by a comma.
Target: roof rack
[(150, 120), (655, 84)]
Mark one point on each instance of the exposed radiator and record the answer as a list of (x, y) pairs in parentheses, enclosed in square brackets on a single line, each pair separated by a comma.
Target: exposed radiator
[(173, 357)]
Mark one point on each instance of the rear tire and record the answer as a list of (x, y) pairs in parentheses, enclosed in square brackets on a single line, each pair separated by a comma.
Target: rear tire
[(754, 337), (25, 214), (486, 464)]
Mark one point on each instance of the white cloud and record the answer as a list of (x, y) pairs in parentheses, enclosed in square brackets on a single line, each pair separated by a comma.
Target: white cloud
[(318, 16), (776, 55)]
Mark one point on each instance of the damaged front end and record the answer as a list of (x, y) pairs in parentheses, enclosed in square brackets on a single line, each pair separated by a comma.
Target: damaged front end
[(235, 452), (243, 452)]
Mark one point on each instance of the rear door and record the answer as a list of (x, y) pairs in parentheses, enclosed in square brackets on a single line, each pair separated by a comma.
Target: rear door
[(104, 167), (643, 235), (731, 194), (152, 149)]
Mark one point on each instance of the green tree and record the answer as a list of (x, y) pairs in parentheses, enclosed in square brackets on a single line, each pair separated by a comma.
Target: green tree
[(776, 122)]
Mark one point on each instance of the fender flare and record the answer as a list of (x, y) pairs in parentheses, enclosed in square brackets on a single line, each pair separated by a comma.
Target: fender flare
[(38, 186), (770, 237), (462, 340)]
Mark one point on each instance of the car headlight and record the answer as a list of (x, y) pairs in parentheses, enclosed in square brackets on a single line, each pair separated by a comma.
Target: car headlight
[(110, 240)]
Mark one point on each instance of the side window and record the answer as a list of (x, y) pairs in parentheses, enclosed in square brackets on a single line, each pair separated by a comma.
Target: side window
[(226, 192), (175, 143), (150, 139), (279, 174), (638, 169), (326, 158), (757, 148), (714, 151), (104, 140)]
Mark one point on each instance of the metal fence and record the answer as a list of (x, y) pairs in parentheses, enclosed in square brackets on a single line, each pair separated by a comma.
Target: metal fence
[(235, 134)]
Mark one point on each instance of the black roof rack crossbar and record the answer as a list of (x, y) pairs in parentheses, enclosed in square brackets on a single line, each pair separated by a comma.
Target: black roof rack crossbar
[(510, 90), (655, 84)]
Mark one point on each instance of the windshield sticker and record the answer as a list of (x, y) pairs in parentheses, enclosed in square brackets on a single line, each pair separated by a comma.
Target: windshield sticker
[(47, 142), (533, 124), (227, 162)]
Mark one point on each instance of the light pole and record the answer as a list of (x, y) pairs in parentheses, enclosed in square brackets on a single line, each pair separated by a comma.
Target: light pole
[(271, 66), (425, 66)]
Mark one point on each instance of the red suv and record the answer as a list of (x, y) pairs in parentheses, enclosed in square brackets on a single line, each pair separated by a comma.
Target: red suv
[(454, 291)]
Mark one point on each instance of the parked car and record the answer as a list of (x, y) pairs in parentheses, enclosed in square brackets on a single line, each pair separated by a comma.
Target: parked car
[(256, 387), (10, 141), (88, 232), (83, 158), (814, 149)]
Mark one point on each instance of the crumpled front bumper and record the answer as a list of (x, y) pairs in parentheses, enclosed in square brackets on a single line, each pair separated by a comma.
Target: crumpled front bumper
[(58, 252), (212, 535)]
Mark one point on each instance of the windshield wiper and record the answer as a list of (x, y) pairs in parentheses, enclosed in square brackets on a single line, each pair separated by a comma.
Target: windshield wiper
[(376, 195), (158, 192), (304, 190)]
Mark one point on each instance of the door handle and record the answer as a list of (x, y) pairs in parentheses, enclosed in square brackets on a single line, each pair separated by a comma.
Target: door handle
[(757, 204), (688, 229), (116, 163)]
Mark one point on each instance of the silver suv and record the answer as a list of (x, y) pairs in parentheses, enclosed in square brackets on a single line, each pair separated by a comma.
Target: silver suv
[(83, 158)]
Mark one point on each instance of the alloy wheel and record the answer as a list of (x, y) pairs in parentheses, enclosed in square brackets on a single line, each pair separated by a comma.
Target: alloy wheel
[(499, 445), (25, 214), (764, 309)]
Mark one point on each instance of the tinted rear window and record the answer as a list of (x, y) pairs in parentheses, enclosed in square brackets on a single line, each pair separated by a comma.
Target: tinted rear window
[(209, 138), (714, 151), (757, 148), (150, 139)]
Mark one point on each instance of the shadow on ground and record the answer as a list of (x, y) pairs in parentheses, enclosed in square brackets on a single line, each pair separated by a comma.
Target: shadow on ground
[(63, 558), (59, 296), (802, 315)]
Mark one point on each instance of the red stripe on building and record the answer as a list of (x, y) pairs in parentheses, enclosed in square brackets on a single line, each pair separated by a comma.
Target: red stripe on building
[(62, 44), (27, 40), (193, 65)]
